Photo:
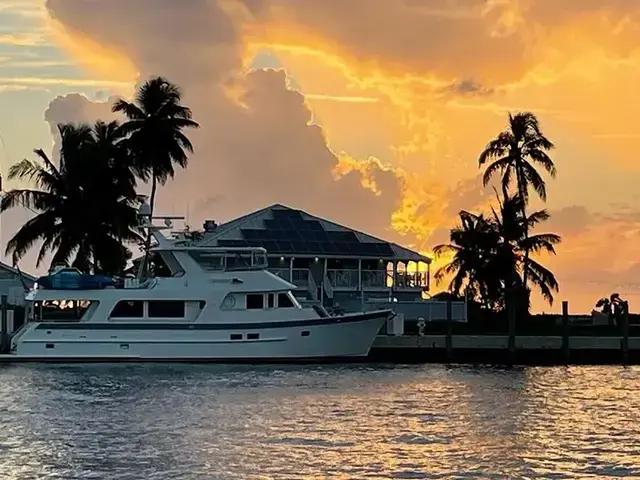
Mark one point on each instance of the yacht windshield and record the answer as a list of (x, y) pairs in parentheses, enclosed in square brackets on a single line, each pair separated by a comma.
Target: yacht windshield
[(241, 259)]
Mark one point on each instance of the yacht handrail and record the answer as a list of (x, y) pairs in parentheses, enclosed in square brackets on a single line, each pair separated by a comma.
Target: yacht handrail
[(224, 258), (184, 248)]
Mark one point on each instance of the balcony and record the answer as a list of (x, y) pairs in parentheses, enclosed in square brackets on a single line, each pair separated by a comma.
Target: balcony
[(411, 280), (298, 276), (376, 279), (348, 279)]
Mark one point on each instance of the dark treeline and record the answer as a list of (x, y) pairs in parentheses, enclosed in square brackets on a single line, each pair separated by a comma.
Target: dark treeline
[(492, 253), (86, 207)]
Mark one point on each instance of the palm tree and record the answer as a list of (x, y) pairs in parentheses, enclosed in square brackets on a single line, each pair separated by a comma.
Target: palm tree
[(114, 177), (473, 244), (516, 243), (84, 206), (155, 138), (515, 153), (489, 253)]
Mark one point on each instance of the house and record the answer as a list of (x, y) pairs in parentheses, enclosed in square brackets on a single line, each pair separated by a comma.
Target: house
[(13, 283), (332, 264)]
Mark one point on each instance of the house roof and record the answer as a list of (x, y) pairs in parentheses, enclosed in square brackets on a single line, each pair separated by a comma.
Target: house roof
[(283, 230), (15, 271)]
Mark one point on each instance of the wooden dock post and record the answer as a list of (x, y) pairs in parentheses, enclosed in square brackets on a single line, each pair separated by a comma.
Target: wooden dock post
[(625, 332), (449, 337), (566, 352), (4, 324), (511, 317)]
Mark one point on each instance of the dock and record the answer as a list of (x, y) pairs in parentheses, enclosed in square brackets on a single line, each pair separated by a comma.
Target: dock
[(507, 350)]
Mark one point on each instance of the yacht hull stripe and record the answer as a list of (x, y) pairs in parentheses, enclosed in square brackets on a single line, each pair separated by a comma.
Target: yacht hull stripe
[(123, 325)]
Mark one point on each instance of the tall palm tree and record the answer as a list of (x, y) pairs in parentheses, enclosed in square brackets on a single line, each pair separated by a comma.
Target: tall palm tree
[(515, 153), (83, 206), (155, 138)]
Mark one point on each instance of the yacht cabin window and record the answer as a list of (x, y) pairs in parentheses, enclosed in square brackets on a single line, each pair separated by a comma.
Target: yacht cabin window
[(259, 301), (284, 301), (166, 309), (128, 309), (255, 301)]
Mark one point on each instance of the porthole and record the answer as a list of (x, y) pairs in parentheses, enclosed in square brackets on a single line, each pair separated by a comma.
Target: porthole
[(229, 302)]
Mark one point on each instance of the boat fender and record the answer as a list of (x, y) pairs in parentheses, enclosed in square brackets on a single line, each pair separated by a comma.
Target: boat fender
[(421, 325)]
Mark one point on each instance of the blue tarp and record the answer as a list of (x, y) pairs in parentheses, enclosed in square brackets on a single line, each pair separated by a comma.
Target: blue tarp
[(69, 280)]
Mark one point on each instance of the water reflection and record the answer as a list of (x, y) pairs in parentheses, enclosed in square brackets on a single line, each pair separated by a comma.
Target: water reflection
[(221, 422)]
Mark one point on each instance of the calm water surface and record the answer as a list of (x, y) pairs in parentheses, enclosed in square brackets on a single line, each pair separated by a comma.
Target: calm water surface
[(222, 422)]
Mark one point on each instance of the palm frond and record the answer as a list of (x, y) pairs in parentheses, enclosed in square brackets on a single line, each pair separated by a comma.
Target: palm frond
[(533, 178), (131, 110), (31, 199)]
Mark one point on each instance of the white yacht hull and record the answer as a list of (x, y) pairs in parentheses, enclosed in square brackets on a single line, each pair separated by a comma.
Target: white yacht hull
[(318, 339)]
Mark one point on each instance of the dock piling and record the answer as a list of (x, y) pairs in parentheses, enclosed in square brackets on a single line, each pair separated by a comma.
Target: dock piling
[(625, 332), (511, 317), (4, 324), (566, 352), (449, 336)]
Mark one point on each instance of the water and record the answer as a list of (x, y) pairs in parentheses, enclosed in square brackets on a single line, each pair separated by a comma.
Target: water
[(223, 422)]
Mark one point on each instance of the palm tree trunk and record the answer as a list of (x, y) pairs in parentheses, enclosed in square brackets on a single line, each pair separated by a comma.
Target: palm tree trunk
[(525, 266), (147, 244)]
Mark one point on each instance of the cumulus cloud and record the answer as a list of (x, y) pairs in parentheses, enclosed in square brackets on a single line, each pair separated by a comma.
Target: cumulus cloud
[(256, 144)]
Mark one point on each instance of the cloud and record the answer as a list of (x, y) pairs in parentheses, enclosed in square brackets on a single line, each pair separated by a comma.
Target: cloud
[(22, 8), (374, 111), (69, 82), (257, 144), (469, 87), (12, 88), (598, 254), (22, 40)]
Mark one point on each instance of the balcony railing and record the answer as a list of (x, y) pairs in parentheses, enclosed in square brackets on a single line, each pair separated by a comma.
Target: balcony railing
[(411, 280), (347, 279), (281, 272), (343, 278), (298, 276)]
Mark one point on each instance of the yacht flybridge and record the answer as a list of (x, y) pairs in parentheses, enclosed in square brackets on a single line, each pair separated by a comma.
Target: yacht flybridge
[(208, 304)]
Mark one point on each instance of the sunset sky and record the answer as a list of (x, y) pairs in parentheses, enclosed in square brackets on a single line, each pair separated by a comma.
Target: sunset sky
[(369, 112)]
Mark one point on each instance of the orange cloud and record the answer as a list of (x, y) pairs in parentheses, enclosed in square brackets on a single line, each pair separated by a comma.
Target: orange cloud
[(99, 60)]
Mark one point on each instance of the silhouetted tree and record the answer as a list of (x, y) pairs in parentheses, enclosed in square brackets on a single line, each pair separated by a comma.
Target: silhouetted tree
[(154, 132), (84, 207), (515, 153), (489, 253)]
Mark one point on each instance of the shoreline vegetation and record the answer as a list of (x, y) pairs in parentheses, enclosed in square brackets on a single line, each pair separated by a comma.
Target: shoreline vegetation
[(86, 206)]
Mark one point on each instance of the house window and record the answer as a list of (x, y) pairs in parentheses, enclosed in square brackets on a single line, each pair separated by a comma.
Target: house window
[(166, 309), (255, 301), (270, 300), (128, 309), (235, 336), (284, 301), (253, 336)]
